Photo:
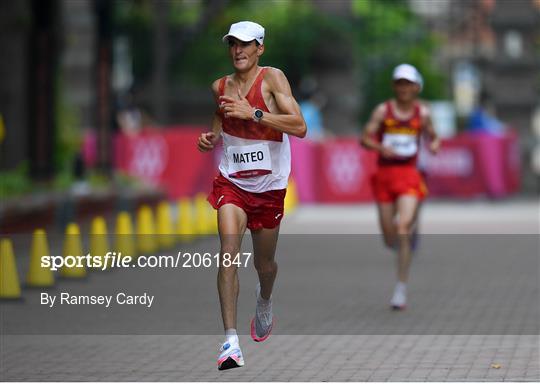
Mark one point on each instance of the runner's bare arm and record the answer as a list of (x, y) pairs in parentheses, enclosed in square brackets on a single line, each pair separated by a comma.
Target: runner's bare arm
[(370, 129), (435, 142), (289, 121), (208, 140)]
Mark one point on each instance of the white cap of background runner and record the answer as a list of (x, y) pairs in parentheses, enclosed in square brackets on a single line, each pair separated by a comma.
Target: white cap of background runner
[(246, 31), (408, 72)]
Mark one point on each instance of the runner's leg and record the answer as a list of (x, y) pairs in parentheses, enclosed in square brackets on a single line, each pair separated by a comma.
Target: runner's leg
[(415, 237), (407, 207), (232, 221), (387, 212), (264, 247)]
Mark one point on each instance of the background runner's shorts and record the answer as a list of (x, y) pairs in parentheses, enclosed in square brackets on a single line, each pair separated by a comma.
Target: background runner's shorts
[(389, 183), (264, 210)]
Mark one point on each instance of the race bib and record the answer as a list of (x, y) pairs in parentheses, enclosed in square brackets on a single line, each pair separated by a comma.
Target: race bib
[(402, 145), (249, 160)]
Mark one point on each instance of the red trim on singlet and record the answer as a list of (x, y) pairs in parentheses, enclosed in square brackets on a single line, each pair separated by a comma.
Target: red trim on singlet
[(250, 173), (249, 129), (390, 121), (221, 88)]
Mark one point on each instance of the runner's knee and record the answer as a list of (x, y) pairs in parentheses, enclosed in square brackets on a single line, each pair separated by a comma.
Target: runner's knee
[(404, 227), (228, 252), (264, 267), (231, 249)]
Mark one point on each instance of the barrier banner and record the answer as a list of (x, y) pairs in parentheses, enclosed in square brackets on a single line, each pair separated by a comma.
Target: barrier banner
[(455, 170), (303, 160), (334, 171), (343, 171), (511, 162), (168, 158)]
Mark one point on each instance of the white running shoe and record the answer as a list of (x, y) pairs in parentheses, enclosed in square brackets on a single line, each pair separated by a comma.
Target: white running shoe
[(263, 322), (399, 299), (230, 355)]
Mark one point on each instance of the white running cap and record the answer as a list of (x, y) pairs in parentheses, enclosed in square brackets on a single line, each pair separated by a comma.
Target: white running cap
[(408, 72), (246, 31)]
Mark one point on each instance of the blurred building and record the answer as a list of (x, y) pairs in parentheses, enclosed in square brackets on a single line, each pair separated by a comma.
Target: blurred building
[(14, 93), (495, 42), (57, 73), (337, 75), (513, 75)]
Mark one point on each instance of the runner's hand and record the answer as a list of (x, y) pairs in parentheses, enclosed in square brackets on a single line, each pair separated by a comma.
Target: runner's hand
[(435, 145), (387, 153), (239, 108), (207, 141)]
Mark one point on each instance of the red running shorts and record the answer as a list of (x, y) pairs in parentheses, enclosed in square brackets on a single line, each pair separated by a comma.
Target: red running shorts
[(264, 210), (391, 182)]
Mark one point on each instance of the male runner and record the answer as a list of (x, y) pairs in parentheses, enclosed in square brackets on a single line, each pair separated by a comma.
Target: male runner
[(394, 131), (256, 112)]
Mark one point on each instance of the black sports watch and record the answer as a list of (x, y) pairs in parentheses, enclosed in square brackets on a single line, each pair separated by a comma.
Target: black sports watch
[(257, 115)]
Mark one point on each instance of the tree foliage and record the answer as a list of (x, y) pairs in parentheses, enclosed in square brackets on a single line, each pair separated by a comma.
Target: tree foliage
[(291, 36), (380, 34), (387, 33)]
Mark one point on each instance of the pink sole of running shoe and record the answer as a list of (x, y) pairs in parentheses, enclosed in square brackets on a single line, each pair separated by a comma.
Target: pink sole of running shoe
[(254, 333)]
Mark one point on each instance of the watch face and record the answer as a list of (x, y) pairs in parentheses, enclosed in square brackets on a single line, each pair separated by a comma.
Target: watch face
[(258, 114)]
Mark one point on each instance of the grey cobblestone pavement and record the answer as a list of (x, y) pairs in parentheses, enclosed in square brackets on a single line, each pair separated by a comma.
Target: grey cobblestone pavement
[(282, 358), (467, 321)]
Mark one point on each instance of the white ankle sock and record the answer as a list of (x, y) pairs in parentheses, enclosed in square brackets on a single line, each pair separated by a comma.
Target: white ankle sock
[(231, 335)]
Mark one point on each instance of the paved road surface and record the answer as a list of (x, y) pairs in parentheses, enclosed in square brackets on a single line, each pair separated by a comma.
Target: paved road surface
[(473, 313)]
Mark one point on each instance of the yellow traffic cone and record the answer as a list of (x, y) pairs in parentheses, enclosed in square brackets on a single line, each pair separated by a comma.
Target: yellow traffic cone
[(9, 278), (291, 198), (73, 247), (202, 222), (37, 275), (99, 242), (185, 223), (124, 244), (165, 226), (146, 231)]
